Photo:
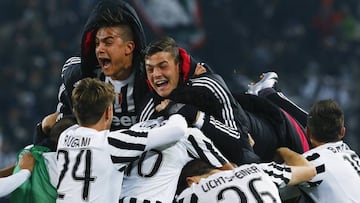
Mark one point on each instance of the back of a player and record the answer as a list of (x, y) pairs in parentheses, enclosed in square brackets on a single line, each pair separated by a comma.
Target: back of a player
[(338, 178), (154, 177), (86, 172), (247, 183)]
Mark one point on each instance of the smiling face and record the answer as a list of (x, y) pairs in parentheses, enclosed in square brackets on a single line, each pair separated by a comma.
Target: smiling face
[(163, 72), (114, 51)]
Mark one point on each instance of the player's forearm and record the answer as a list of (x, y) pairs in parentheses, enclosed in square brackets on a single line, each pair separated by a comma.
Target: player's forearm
[(49, 121), (9, 184), (301, 169), (292, 158), (301, 174), (171, 132), (228, 166)]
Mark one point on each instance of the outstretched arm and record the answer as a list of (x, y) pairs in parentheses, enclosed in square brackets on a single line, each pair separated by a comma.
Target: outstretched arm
[(10, 183), (144, 136), (171, 132)]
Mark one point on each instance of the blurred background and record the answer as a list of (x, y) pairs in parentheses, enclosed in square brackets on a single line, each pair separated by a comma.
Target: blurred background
[(312, 45)]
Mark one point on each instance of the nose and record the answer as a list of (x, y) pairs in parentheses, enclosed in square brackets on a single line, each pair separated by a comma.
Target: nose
[(99, 48), (156, 71)]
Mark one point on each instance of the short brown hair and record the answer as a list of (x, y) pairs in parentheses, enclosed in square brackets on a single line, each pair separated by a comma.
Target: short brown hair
[(195, 167), (90, 99), (166, 44), (325, 120)]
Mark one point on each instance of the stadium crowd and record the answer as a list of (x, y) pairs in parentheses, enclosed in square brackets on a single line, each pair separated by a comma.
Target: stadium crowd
[(312, 45)]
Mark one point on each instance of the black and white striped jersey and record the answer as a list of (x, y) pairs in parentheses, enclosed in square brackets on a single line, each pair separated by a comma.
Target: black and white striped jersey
[(247, 183), (125, 99), (154, 177), (338, 174), (124, 104), (91, 163)]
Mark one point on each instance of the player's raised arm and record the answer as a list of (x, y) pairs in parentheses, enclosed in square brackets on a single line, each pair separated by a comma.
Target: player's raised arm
[(171, 132)]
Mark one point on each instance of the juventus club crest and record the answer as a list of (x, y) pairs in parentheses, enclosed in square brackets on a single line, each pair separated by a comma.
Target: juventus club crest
[(118, 100)]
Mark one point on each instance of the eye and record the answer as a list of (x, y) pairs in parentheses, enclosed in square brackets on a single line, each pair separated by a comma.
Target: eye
[(149, 69), (108, 42), (163, 66)]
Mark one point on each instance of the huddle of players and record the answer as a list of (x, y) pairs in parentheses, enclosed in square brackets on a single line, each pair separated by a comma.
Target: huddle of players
[(144, 113)]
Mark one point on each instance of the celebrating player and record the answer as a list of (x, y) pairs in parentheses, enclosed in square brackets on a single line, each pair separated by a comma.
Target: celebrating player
[(210, 106), (338, 166), (246, 183), (41, 187), (112, 41), (154, 176), (91, 159)]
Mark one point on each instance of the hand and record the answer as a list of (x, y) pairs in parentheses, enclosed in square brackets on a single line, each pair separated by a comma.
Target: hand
[(48, 122), (168, 108), (27, 161), (251, 140), (200, 69), (160, 107)]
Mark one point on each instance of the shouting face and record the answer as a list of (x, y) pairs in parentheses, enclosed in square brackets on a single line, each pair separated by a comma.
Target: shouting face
[(114, 51)]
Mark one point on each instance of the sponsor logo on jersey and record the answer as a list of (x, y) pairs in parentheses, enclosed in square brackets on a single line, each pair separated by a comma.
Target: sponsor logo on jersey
[(124, 121)]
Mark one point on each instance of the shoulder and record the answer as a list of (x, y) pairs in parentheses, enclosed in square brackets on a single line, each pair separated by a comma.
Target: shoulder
[(210, 81), (321, 152), (211, 84), (126, 135), (186, 194), (71, 62), (215, 78), (71, 71)]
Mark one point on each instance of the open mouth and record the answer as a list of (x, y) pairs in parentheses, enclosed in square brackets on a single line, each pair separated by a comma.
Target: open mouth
[(161, 83), (104, 62)]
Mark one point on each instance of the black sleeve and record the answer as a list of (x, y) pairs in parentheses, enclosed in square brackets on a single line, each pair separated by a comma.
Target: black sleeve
[(225, 122), (70, 74), (236, 148)]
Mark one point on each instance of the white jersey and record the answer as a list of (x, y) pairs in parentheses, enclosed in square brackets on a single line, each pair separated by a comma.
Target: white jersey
[(91, 163), (247, 183), (154, 177), (338, 174), (51, 166)]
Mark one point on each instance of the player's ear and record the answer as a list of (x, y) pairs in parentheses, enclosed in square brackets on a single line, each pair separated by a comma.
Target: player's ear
[(308, 133), (342, 132), (192, 179), (130, 47), (109, 112)]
